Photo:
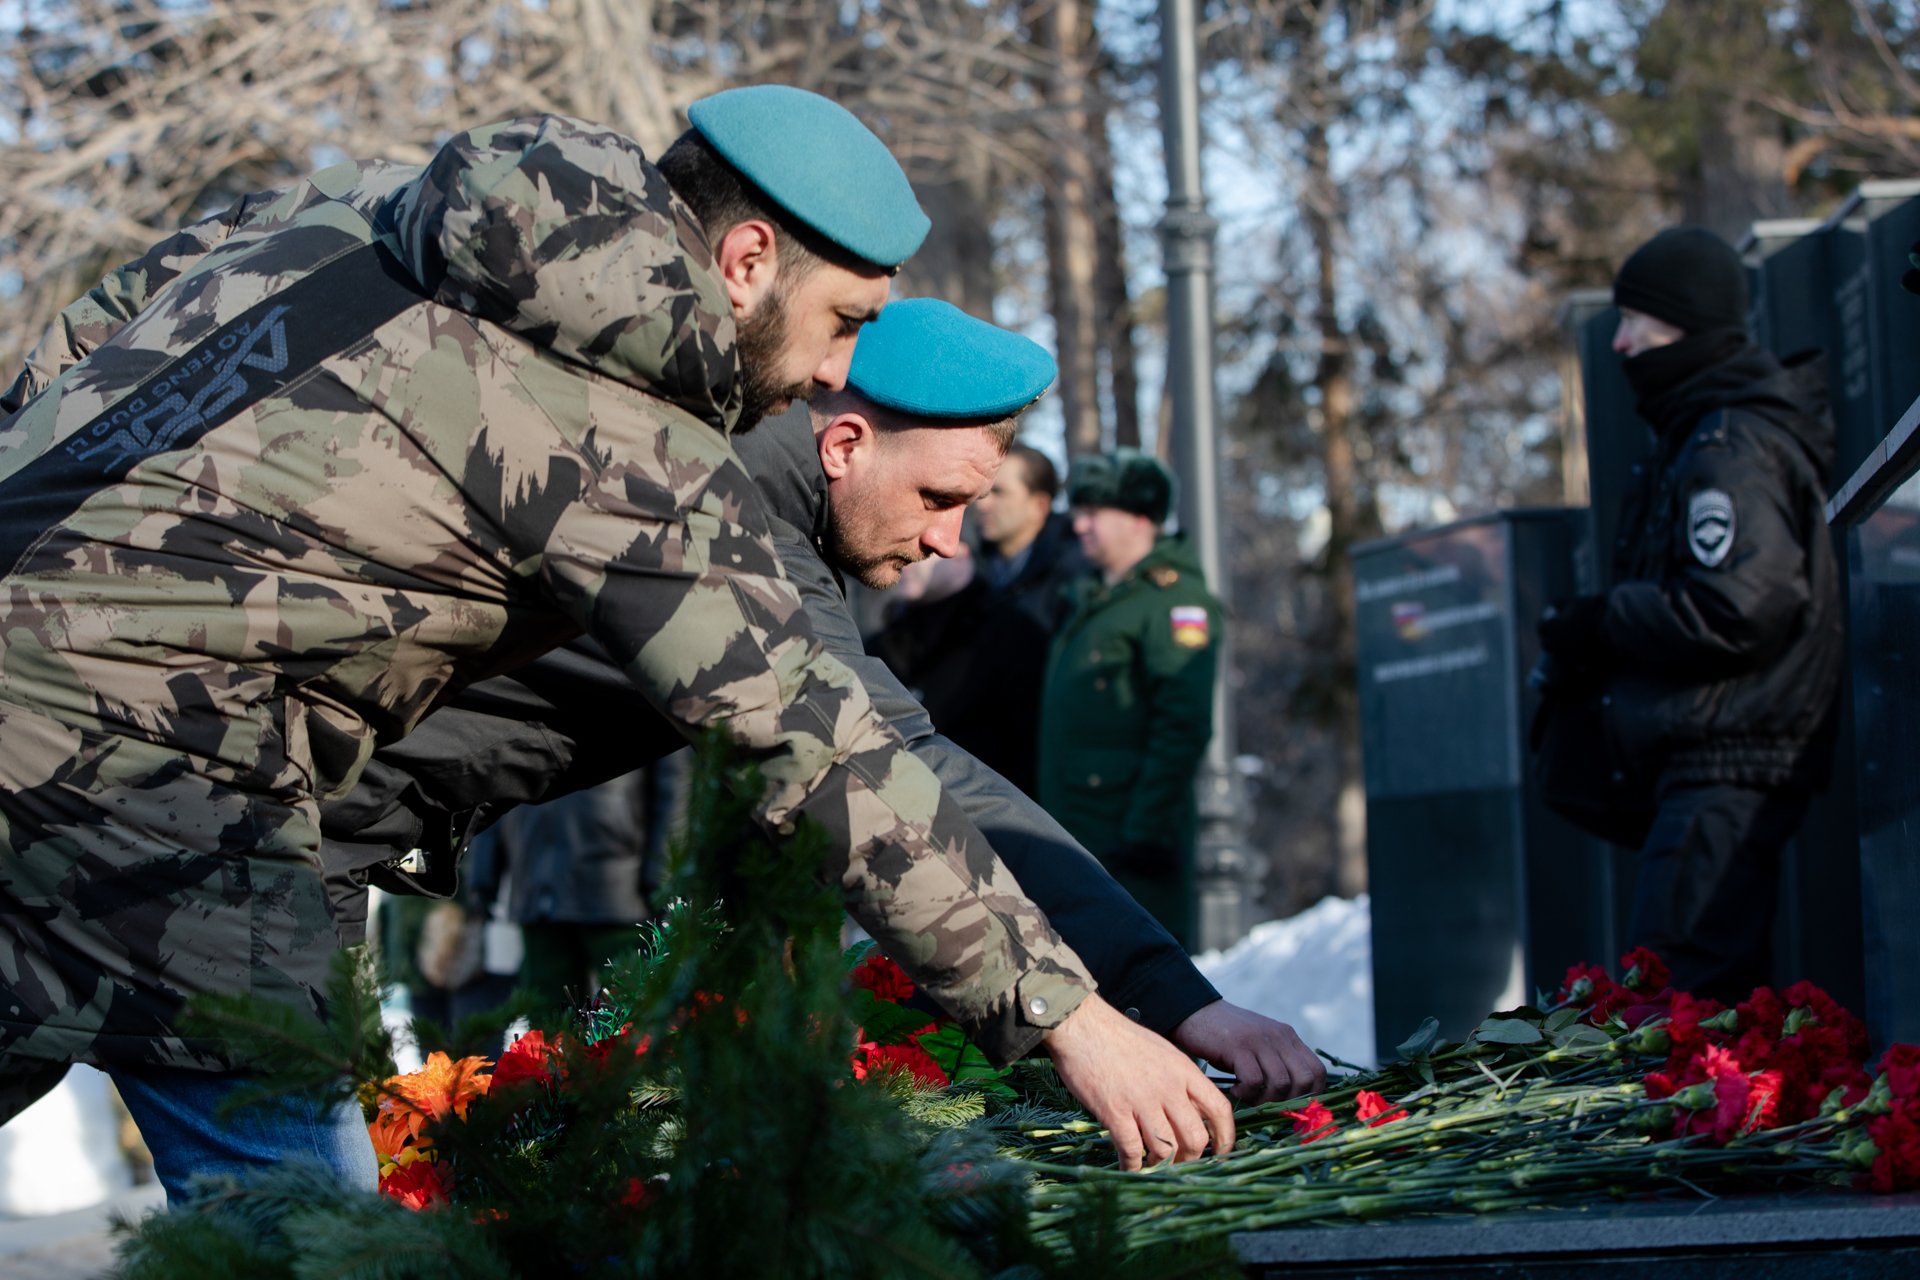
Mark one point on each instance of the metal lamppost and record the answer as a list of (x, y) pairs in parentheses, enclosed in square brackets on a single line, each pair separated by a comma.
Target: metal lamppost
[(1228, 870)]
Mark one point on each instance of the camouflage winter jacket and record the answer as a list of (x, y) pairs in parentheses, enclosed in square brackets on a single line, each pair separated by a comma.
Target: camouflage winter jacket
[(206, 630)]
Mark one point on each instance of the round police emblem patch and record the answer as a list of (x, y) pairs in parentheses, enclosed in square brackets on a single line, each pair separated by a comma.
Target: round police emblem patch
[(1710, 526)]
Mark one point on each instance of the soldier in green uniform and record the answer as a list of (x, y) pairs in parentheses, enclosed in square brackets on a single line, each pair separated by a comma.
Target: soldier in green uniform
[(1128, 707)]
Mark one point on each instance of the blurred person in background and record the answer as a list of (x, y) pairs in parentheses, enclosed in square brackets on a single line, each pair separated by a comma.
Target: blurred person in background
[(1029, 552), (576, 875), (1128, 706), (439, 951), (1715, 657), (973, 658)]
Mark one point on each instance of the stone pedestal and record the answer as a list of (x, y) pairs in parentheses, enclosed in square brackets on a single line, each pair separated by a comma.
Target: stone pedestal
[(1814, 1236)]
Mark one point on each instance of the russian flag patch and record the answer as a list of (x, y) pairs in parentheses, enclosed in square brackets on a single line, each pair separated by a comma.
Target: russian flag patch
[(1190, 626)]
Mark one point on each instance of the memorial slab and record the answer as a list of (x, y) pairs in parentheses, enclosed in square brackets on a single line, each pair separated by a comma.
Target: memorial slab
[(1813, 1236)]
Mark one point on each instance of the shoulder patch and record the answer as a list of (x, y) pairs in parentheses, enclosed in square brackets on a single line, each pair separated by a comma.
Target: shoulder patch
[(1710, 526), (1190, 626), (1163, 576)]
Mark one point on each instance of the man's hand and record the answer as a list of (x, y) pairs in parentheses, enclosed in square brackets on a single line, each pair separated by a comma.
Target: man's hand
[(1149, 1095), (1265, 1056)]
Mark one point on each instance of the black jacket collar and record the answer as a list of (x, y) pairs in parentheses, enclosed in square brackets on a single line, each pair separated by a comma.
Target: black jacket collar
[(784, 462)]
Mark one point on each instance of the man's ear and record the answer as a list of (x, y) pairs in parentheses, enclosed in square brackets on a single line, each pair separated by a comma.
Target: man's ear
[(845, 442), (749, 261)]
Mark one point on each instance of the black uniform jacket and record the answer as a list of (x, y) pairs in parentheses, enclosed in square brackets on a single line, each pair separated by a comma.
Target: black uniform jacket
[(571, 719), (976, 661), (1725, 616)]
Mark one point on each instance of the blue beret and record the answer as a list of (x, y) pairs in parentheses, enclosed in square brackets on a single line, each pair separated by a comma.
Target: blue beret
[(930, 359), (819, 163)]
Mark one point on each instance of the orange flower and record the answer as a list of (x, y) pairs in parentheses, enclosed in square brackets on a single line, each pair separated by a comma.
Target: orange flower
[(443, 1085), (396, 1138)]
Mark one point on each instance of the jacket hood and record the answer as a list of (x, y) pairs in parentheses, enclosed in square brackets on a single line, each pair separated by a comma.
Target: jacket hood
[(560, 231), (1790, 393)]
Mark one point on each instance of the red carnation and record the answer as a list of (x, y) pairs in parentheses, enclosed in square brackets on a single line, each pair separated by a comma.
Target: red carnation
[(1584, 984), (417, 1184), (884, 1059), (1645, 971), (1896, 1167), (1766, 1102), (1832, 1018), (887, 980), (1315, 1116), (597, 1051), (1616, 1001), (1375, 1110), (1764, 1012), (1686, 1013), (526, 1059), (1732, 1093), (1850, 1080), (637, 1195), (1660, 1006)]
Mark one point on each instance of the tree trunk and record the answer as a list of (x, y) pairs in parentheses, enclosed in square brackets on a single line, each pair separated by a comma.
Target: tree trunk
[(1333, 376), (1116, 307), (1072, 232), (615, 80), (956, 262), (1739, 182), (1739, 173)]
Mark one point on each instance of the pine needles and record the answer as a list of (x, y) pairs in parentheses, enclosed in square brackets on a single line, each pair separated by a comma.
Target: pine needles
[(698, 1119)]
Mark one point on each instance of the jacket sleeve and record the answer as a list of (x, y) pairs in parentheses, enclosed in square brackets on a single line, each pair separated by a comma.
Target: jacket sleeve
[(656, 542), (1717, 612), (105, 309), (1136, 961), (1178, 689)]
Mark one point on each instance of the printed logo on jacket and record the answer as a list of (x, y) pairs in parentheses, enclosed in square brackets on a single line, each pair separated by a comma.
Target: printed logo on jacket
[(1710, 526)]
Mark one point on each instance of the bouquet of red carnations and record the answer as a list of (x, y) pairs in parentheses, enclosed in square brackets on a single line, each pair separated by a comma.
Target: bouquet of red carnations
[(1614, 1089)]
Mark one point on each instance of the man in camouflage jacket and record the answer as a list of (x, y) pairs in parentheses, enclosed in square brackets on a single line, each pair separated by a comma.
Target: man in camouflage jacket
[(214, 617)]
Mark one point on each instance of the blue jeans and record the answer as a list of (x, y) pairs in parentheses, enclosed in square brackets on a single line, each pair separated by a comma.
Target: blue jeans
[(176, 1112)]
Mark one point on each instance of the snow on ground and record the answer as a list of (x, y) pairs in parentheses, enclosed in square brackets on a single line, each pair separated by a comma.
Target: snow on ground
[(63, 1152), (1313, 971)]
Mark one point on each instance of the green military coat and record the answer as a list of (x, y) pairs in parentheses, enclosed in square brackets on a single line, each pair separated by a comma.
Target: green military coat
[(1126, 716)]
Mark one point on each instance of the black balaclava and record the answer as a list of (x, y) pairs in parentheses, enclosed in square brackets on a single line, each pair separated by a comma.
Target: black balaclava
[(1692, 279)]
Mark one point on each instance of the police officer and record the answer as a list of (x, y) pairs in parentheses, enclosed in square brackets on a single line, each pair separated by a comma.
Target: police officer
[(1128, 706), (1721, 637)]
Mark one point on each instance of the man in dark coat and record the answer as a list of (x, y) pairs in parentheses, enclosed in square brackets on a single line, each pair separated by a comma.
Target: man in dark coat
[(974, 659), (1029, 551), (1722, 633)]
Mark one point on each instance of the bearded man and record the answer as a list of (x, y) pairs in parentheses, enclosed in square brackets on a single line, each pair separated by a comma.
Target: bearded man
[(392, 431)]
